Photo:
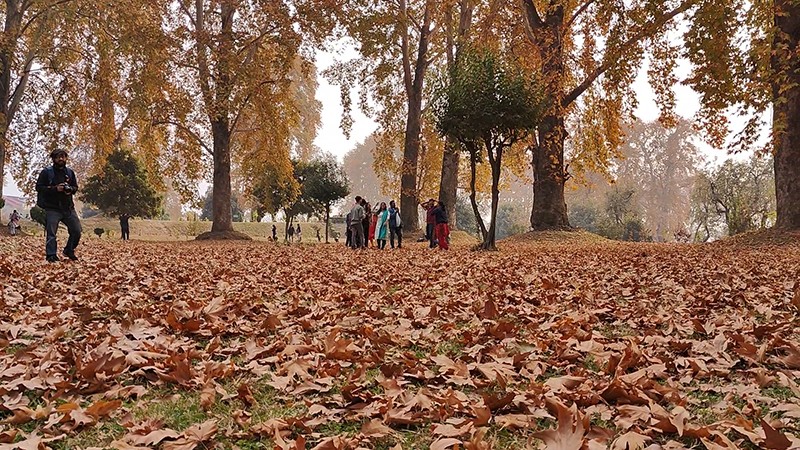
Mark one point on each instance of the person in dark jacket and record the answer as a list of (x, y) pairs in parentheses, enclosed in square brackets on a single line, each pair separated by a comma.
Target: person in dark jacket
[(442, 229), (56, 187), (124, 224)]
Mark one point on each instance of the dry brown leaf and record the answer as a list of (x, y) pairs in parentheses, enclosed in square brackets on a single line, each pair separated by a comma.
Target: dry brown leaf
[(630, 441), (444, 443), (570, 432)]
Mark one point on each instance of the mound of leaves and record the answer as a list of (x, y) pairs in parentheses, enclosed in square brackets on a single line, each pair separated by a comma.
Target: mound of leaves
[(240, 344)]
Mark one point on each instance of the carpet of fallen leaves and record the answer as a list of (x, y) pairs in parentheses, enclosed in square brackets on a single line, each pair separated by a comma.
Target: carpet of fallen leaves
[(254, 345)]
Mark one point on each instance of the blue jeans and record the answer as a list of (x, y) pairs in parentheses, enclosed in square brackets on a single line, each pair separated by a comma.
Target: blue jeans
[(70, 219)]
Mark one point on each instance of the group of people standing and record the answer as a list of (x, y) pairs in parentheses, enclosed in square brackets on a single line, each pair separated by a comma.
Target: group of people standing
[(371, 226)]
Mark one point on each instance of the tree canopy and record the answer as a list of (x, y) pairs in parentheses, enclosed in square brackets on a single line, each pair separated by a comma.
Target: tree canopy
[(122, 187)]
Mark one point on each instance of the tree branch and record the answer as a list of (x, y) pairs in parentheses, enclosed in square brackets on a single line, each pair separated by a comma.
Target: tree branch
[(578, 12), (188, 131), (611, 58), (532, 17), (247, 100)]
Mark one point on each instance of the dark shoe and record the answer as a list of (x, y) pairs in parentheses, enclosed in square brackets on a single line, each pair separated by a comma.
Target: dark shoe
[(52, 258), (70, 255)]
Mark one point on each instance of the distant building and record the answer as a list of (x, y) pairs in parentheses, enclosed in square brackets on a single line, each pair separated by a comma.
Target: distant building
[(21, 204)]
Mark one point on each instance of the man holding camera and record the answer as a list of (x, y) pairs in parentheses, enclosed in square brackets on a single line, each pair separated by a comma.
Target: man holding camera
[(55, 188)]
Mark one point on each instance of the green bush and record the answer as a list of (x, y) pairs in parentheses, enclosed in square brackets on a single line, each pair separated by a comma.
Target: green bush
[(2, 202), (38, 215)]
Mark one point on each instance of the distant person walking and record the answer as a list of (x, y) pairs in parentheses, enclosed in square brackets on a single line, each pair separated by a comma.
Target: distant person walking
[(395, 225), (290, 233), (274, 233), (125, 226), (442, 229), (319, 238), (299, 233), (55, 188), (381, 225), (356, 224), (13, 223)]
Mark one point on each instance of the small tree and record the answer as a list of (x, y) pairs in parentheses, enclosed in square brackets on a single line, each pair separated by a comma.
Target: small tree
[(488, 105), (39, 216), (740, 193), (326, 183), (122, 187)]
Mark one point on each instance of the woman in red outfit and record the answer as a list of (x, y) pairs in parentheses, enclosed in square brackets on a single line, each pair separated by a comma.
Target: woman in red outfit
[(441, 228)]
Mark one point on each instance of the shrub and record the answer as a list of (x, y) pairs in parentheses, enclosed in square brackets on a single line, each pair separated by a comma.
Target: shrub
[(38, 215)]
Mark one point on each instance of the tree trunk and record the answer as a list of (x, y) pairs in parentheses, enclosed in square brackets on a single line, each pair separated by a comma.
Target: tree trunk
[(221, 191), (327, 220), (7, 50), (472, 195), (490, 242), (413, 86), (408, 179), (549, 175), (448, 188), (786, 114)]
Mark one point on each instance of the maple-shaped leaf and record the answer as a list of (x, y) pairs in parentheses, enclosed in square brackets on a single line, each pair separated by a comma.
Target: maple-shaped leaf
[(151, 438), (244, 394), (375, 428), (774, 439), (448, 430), (444, 443), (630, 441), (102, 408), (7, 437), (570, 432)]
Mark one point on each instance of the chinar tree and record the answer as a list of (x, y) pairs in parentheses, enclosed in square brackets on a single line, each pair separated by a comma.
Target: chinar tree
[(233, 59), (488, 105), (744, 56), (591, 50)]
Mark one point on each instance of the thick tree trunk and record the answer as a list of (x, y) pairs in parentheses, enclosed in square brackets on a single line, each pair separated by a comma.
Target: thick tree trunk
[(413, 85), (221, 191), (549, 175), (408, 178), (9, 38), (448, 189), (786, 115)]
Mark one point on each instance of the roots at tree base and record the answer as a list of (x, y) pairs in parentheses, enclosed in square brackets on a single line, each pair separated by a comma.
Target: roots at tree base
[(223, 236)]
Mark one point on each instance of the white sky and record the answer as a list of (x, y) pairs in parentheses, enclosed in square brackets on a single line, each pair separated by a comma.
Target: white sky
[(331, 138)]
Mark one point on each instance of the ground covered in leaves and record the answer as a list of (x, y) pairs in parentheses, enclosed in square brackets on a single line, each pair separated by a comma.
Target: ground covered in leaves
[(544, 344)]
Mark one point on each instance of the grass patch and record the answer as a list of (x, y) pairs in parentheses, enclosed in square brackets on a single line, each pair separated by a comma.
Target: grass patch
[(100, 435), (178, 411), (778, 392)]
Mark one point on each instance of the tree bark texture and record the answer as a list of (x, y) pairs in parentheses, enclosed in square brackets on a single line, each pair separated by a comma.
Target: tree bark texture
[(221, 191), (549, 210), (413, 84), (448, 189), (786, 114), (7, 50)]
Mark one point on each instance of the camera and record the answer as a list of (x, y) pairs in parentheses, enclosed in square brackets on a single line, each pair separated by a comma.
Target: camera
[(68, 189)]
